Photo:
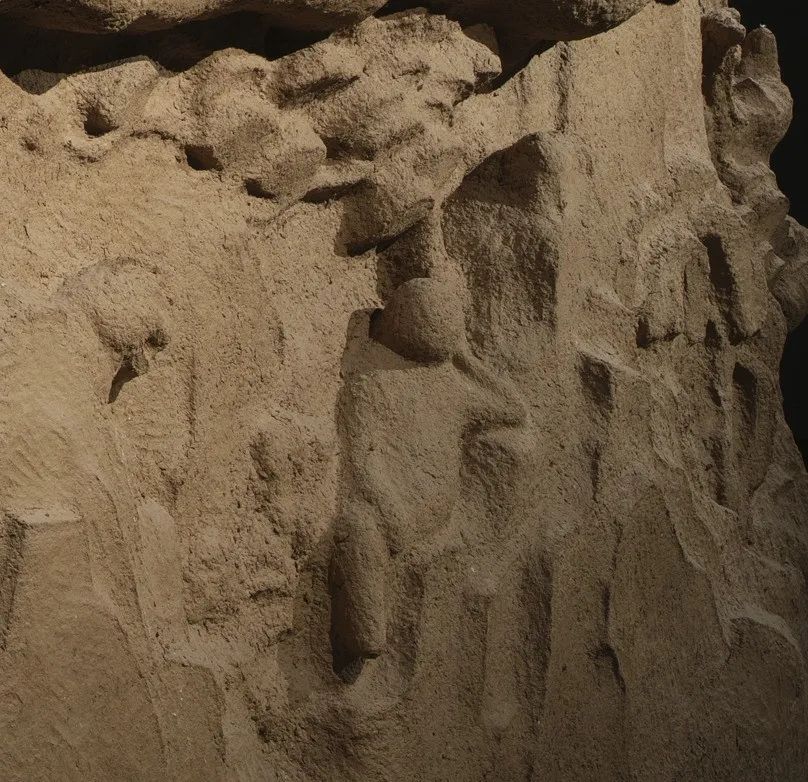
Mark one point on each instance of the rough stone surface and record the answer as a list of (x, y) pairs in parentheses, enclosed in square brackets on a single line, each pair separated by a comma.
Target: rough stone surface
[(111, 16), (392, 405)]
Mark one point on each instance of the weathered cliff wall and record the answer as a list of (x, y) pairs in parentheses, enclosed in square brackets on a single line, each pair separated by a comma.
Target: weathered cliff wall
[(392, 405)]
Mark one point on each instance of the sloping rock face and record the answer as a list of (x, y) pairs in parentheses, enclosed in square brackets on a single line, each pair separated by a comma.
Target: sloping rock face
[(384, 406)]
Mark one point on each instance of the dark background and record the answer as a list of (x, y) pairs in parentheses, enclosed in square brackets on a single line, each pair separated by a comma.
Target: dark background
[(788, 19)]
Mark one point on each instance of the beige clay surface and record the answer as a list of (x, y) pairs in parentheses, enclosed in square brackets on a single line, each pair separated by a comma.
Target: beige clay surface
[(390, 394)]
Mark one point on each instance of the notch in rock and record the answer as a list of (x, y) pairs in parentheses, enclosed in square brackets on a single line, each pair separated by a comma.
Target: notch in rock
[(202, 157), (96, 123), (126, 371), (135, 363)]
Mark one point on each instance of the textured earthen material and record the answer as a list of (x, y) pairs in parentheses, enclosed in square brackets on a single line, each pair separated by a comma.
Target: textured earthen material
[(391, 394)]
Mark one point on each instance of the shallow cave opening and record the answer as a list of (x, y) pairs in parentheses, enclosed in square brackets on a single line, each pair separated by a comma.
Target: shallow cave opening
[(788, 22)]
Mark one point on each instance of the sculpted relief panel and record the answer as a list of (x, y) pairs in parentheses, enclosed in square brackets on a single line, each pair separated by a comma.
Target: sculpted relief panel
[(390, 393)]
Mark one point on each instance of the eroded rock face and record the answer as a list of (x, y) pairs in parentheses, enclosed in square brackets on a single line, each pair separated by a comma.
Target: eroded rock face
[(523, 25), (543, 19), (93, 16), (386, 406)]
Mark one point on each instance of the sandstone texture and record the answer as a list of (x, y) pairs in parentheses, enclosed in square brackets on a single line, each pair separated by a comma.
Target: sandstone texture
[(391, 393)]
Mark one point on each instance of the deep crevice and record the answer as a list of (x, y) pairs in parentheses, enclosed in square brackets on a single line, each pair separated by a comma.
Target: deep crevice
[(280, 43), (24, 47)]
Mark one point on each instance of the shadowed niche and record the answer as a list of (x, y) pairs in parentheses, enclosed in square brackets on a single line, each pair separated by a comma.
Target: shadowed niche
[(23, 47)]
